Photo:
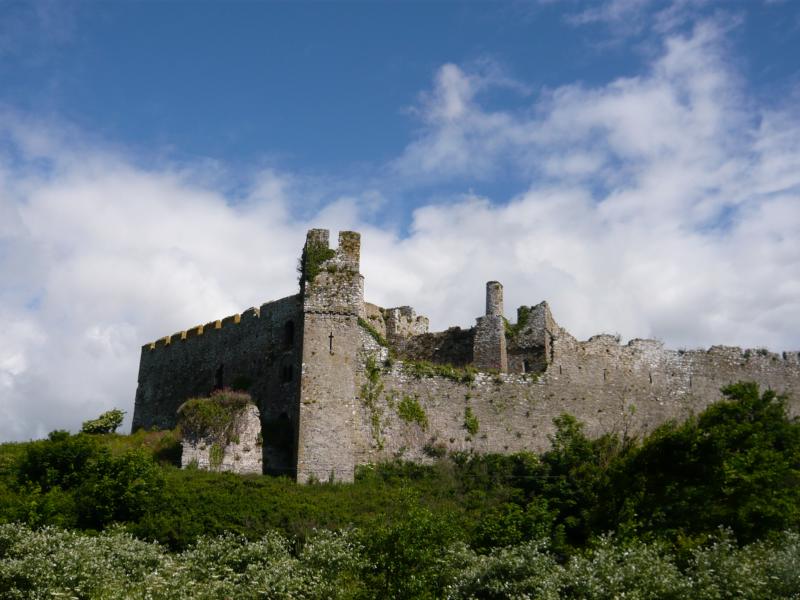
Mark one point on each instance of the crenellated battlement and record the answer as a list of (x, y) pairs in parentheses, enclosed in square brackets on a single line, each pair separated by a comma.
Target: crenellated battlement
[(207, 329)]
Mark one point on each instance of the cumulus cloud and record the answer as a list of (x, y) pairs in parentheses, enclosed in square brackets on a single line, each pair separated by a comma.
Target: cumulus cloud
[(664, 204)]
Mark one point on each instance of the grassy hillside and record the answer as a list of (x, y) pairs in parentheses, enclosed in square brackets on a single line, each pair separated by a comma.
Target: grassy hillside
[(417, 531)]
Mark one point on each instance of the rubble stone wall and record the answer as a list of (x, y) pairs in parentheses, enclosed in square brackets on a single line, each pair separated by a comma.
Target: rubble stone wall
[(242, 455), (626, 389)]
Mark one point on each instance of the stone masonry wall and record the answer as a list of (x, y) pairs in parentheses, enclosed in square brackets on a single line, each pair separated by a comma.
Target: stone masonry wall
[(627, 389), (453, 346), (242, 455), (258, 350), (331, 397)]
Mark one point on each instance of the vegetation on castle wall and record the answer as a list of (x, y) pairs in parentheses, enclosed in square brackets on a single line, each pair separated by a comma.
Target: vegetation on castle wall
[(470, 421), (310, 265), (410, 410), (523, 315), (373, 332), (370, 393), (213, 418), (216, 454), (422, 368)]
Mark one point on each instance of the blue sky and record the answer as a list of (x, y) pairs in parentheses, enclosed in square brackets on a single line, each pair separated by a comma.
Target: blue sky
[(636, 163)]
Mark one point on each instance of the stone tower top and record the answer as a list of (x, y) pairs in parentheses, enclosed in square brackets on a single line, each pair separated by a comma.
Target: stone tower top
[(330, 278), (494, 299)]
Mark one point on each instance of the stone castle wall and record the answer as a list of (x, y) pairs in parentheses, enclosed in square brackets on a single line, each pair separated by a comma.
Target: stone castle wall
[(258, 351), (627, 389), (453, 346), (332, 397)]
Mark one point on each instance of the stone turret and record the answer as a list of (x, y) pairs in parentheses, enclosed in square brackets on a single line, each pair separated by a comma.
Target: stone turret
[(333, 299), (489, 347)]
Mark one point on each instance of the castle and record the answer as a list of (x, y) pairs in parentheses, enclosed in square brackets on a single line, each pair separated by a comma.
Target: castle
[(341, 382)]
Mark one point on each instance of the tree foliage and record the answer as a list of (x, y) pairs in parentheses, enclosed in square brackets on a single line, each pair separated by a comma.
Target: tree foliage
[(108, 422)]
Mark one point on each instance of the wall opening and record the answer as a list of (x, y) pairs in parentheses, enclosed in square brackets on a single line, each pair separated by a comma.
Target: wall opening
[(288, 335), (219, 378), (526, 366), (278, 434)]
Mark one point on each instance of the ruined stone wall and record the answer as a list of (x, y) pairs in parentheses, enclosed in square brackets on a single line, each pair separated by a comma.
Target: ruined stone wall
[(529, 339), (373, 314), (258, 351), (627, 389), (242, 455), (403, 322), (453, 346)]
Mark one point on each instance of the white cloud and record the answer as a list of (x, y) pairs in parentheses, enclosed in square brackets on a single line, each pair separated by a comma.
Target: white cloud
[(660, 204)]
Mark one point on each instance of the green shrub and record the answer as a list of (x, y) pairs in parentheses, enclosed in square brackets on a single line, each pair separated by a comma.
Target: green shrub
[(59, 461), (470, 421), (422, 369), (108, 422), (310, 265), (409, 558), (118, 489), (410, 410)]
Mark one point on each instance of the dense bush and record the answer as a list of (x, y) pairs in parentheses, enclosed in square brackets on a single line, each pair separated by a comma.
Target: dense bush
[(53, 562), (73, 479), (108, 422), (737, 465)]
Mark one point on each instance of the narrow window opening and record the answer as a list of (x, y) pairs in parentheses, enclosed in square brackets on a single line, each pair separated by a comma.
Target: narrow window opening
[(288, 335), (330, 340), (526, 366), (219, 378)]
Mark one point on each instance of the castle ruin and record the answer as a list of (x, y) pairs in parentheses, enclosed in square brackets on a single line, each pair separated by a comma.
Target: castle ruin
[(341, 382)]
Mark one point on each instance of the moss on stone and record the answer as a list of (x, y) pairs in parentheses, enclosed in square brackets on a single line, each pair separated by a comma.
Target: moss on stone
[(512, 330), (470, 421), (422, 368), (370, 392), (410, 410), (373, 332), (314, 254), (213, 418)]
